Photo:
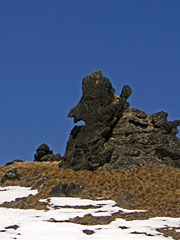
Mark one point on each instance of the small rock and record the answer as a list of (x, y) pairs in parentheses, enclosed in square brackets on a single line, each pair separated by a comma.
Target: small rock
[(12, 227), (20, 199), (88, 232), (123, 227), (44, 154), (12, 162), (67, 189), (10, 175), (121, 200)]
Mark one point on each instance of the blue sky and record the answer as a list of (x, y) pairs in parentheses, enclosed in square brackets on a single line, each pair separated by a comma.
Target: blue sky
[(47, 47)]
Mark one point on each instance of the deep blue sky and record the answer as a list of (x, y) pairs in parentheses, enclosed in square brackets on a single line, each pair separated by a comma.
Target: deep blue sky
[(48, 46)]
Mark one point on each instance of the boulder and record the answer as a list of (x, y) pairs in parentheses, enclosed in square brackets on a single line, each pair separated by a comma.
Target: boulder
[(13, 162), (15, 227), (11, 175), (68, 190), (43, 153), (116, 136)]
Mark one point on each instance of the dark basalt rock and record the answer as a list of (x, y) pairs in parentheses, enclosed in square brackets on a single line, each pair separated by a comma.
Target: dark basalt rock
[(43, 153), (100, 110), (20, 198), (15, 227), (121, 200), (68, 190), (116, 136), (88, 232), (140, 140), (12, 162), (10, 175)]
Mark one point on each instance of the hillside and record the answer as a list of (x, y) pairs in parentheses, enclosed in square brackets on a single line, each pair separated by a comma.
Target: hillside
[(122, 165), (155, 189)]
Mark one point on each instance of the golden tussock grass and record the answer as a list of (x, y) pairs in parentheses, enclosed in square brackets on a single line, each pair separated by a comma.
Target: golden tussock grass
[(154, 188)]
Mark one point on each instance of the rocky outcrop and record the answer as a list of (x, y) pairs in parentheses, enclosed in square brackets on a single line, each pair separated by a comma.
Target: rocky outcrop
[(100, 110), (13, 162), (116, 136), (11, 175), (43, 153), (140, 139), (68, 190)]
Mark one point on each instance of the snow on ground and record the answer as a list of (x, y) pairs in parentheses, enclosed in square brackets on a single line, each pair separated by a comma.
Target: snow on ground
[(9, 194), (39, 224)]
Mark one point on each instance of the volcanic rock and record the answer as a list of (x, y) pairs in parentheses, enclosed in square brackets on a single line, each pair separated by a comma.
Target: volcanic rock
[(13, 162), (10, 175), (116, 136), (43, 153), (15, 227), (140, 139), (68, 190), (88, 232), (100, 110), (121, 200)]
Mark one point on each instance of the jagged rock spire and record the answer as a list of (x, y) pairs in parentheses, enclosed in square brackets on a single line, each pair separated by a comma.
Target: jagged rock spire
[(100, 110), (116, 136)]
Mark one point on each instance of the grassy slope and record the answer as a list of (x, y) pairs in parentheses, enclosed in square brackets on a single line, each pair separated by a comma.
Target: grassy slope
[(155, 188)]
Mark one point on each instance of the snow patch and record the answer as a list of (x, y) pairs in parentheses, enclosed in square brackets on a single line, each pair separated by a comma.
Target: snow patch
[(38, 224), (8, 194)]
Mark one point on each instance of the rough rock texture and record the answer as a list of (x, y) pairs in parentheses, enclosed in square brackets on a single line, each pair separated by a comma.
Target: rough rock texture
[(68, 190), (43, 153), (88, 232), (100, 110), (116, 136), (140, 139), (15, 227), (10, 175), (121, 200), (12, 162)]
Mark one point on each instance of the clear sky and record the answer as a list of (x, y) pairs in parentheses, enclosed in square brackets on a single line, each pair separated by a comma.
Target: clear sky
[(48, 46)]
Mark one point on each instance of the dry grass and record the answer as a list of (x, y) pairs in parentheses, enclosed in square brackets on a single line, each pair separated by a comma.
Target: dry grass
[(155, 188), (170, 232)]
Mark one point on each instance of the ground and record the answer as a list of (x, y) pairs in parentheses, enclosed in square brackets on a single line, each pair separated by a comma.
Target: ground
[(155, 189)]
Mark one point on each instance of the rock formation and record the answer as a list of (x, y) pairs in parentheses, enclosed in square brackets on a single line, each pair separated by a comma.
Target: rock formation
[(13, 162), (116, 136), (10, 175), (100, 110), (43, 153), (140, 139), (68, 190)]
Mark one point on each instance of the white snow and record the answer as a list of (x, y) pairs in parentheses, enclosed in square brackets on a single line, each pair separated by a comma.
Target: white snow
[(40, 224), (8, 194)]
